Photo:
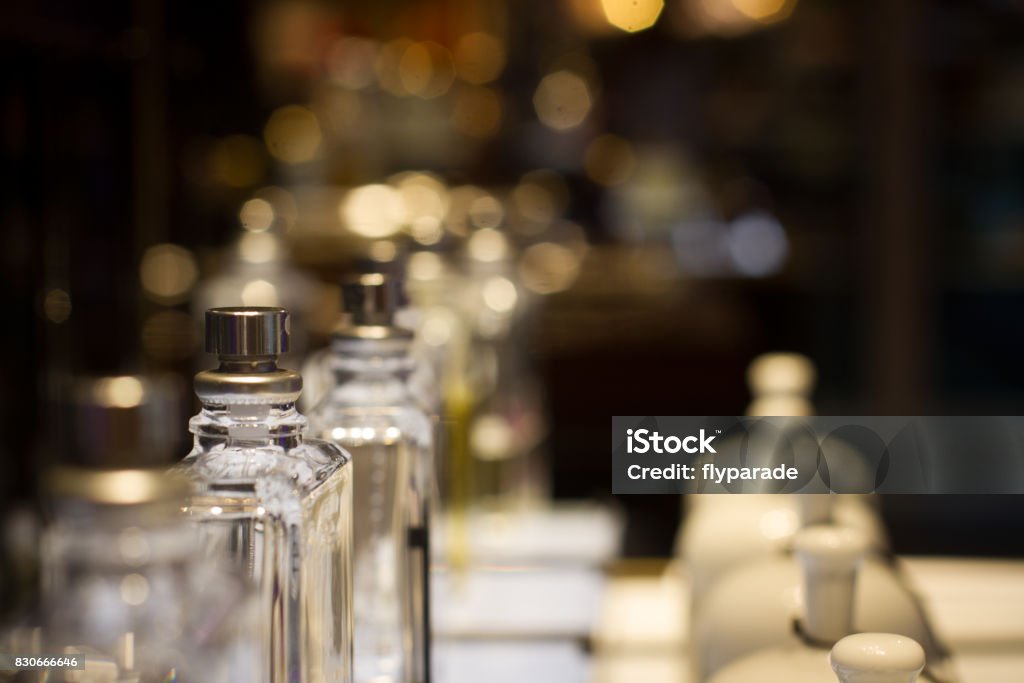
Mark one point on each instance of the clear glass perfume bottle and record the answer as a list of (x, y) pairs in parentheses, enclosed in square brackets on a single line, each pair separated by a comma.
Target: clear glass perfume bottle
[(277, 504), (124, 587), (373, 414)]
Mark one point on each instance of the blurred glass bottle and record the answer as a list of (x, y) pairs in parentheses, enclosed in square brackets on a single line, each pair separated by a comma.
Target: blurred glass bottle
[(506, 425), (257, 271), (122, 584), (278, 505), (373, 414)]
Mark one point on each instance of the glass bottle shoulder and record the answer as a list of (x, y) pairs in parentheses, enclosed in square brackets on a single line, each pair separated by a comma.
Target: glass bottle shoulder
[(229, 450), (349, 423), (306, 466)]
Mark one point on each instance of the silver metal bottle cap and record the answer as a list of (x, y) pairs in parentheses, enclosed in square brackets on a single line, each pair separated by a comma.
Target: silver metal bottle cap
[(247, 331), (370, 302), (370, 299), (247, 340)]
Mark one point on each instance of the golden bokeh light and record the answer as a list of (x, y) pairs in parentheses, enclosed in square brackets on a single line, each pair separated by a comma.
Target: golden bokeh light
[(459, 200), (237, 161), (491, 437), (424, 266), (500, 295), (426, 230), (119, 392), (562, 100), (168, 272), (293, 134), (535, 204), (589, 16), (632, 15), (487, 245), (386, 66), (373, 211), (256, 215), (486, 212), (765, 11), (424, 195), (258, 247), (479, 57), (478, 111), (57, 306), (170, 335), (426, 70), (547, 267), (260, 293), (283, 204), (383, 251), (609, 160)]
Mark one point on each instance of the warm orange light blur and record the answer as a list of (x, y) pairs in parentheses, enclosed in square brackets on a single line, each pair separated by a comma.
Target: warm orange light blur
[(479, 58), (387, 66), (292, 134), (57, 306), (459, 201), (256, 215), (546, 267), (423, 195), (765, 11), (426, 70), (632, 15), (562, 100), (168, 272)]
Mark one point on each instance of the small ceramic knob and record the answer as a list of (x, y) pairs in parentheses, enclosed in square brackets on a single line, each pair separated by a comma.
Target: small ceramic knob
[(815, 508), (877, 658), (829, 557), (781, 373)]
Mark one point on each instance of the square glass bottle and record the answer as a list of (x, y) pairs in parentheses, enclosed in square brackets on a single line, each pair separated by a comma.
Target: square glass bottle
[(277, 504)]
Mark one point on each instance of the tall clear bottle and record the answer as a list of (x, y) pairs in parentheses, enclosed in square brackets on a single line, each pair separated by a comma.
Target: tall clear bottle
[(275, 503), (372, 414), (122, 586)]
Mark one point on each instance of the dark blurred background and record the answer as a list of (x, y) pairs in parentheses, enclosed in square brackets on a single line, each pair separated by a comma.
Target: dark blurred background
[(839, 179)]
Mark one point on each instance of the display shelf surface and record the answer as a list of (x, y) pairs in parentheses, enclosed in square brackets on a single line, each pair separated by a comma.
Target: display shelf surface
[(566, 533)]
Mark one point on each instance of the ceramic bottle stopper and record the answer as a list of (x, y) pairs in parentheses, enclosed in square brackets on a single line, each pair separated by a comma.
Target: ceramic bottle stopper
[(877, 658), (781, 384), (829, 557)]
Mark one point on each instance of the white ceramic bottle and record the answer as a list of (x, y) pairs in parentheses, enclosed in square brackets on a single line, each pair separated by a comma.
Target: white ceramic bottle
[(859, 658), (828, 583), (829, 558), (724, 530)]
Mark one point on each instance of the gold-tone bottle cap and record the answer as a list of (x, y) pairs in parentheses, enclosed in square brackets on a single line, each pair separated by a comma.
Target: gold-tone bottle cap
[(115, 486)]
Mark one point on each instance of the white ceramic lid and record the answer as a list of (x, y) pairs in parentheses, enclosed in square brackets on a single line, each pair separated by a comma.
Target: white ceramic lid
[(877, 658)]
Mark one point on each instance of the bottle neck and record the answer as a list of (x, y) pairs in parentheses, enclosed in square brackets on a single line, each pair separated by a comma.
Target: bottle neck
[(375, 370), (248, 425), (248, 403)]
